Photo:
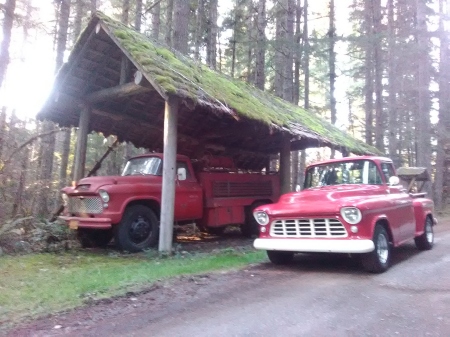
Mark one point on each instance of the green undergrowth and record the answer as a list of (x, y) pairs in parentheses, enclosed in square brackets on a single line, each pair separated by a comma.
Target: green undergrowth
[(34, 285)]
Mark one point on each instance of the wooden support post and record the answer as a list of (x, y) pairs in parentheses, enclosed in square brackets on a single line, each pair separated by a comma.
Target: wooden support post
[(169, 175), (80, 151), (285, 165)]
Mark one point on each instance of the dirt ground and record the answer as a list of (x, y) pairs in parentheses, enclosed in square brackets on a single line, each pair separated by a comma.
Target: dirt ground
[(116, 316), (159, 299)]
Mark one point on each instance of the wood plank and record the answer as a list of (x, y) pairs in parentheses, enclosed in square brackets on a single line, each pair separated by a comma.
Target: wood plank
[(123, 90), (169, 175)]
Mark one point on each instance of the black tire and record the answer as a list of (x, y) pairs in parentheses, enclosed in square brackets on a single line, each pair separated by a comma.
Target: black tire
[(89, 238), (426, 240), (138, 229), (215, 230), (251, 228), (280, 257), (379, 259)]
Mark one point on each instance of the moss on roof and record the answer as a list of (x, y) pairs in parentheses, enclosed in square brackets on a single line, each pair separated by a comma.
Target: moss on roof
[(180, 75)]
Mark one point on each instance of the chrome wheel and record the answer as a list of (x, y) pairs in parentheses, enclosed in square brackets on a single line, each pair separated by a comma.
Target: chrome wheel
[(382, 248), (429, 231)]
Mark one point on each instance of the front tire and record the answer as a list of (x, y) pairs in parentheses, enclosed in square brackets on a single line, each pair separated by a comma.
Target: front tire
[(379, 260), (280, 257), (426, 240), (138, 229)]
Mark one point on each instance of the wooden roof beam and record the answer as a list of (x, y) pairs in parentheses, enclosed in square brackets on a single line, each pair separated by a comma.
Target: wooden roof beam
[(122, 90)]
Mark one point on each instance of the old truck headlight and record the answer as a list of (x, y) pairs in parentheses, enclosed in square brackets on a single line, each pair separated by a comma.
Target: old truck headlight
[(104, 195), (351, 214), (65, 199), (261, 217)]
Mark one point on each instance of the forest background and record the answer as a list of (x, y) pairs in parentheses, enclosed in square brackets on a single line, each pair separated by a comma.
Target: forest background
[(377, 69)]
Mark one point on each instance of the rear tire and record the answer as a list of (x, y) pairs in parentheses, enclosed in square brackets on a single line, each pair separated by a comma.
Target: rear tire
[(215, 230), (138, 229), (426, 240), (280, 257), (379, 259)]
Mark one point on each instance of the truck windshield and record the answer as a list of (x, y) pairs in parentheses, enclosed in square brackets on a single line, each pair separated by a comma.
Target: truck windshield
[(348, 172), (143, 165)]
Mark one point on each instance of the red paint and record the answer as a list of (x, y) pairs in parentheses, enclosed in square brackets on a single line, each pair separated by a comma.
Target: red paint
[(403, 214), (213, 197)]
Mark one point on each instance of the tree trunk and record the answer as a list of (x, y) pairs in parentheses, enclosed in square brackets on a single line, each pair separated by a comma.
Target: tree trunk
[(444, 106), (79, 13), (298, 53), (368, 76), (260, 62), (307, 79), (48, 142), (279, 43), (422, 118), (2, 129), (393, 133), (379, 120), (125, 17), (211, 48), (181, 29), (8, 8), (199, 29), (250, 47), (138, 16), (156, 21), (288, 76), (169, 22), (332, 65), (93, 6)]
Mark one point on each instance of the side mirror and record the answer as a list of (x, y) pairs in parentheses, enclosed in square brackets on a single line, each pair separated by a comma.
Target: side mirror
[(181, 173), (298, 188), (394, 180)]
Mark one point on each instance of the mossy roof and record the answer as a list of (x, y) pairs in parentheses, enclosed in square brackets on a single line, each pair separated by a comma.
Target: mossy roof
[(174, 74)]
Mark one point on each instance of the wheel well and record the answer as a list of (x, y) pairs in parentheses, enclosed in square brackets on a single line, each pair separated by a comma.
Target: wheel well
[(152, 204), (385, 224), (262, 201)]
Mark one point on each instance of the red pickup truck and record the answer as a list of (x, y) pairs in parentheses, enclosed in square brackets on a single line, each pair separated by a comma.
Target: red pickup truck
[(354, 205), (127, 207)]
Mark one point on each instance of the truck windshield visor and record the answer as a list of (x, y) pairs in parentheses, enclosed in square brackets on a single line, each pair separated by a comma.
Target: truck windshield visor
[(140, 166), (338, 173)]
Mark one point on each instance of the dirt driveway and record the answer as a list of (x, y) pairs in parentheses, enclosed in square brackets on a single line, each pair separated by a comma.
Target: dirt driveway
[(318, 295)]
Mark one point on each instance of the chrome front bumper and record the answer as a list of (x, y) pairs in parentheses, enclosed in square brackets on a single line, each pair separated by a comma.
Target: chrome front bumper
[(315, 245)]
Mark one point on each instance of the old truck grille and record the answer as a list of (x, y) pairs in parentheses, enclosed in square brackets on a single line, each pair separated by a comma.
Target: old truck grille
[(323, 228), (90, 205)]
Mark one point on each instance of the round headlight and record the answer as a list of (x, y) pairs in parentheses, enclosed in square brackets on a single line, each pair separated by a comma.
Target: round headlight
[(104, 195), (261, 217), (351, 214), (65, 199)]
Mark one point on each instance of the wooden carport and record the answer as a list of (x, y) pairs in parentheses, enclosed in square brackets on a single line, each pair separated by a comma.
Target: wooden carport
[(118, 82)]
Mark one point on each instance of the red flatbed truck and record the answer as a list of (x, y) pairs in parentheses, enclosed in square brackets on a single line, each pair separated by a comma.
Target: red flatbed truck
[(127, 207)]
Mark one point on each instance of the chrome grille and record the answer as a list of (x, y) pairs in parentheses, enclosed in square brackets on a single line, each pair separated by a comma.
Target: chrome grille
[(322, 228), (90, 205)]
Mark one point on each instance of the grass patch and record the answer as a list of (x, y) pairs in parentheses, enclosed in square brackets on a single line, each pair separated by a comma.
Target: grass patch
[(38, 284)]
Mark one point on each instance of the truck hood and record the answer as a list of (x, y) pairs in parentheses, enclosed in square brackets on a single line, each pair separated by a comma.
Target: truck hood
[(323, 200), (92, 184)]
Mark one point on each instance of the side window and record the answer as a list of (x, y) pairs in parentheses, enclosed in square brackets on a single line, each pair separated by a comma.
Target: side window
[(183, 165), (388, 170), (374, 174)]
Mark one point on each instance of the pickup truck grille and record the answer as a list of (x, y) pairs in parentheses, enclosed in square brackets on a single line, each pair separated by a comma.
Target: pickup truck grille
[(89, 205), (323, 228)]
